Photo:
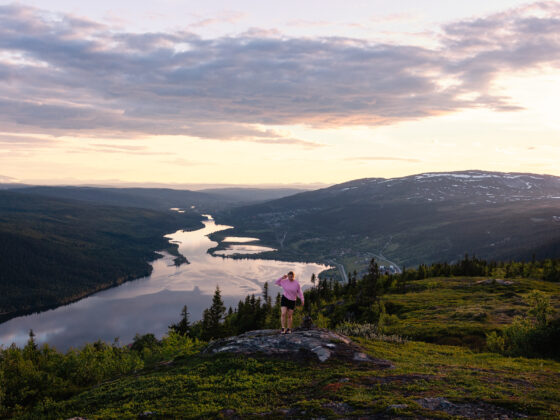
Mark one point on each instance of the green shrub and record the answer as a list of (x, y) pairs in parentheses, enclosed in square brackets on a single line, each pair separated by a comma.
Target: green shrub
[(176, 345), (495, 342), (540, 307), (33, 375), (524, 337), (146, 341)]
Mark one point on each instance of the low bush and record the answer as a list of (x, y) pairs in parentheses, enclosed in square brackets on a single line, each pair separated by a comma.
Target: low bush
[(537, 337), (37, 376)]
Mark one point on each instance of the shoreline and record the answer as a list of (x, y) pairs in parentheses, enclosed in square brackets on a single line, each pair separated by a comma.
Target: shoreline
[(172, 250)]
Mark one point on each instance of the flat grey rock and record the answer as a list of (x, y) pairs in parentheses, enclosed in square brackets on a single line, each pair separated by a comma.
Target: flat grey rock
[(320, 343)]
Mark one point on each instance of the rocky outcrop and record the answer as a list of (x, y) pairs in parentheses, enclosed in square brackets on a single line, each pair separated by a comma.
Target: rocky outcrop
[(316, 343)]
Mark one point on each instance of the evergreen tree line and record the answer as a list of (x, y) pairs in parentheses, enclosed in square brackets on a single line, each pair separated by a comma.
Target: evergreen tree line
[(253, 313), (548, 269)]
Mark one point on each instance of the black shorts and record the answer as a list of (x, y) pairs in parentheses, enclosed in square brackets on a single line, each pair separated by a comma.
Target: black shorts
[(290, 304)]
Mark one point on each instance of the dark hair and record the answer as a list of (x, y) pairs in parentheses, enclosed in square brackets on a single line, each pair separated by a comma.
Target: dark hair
[(290, 272)]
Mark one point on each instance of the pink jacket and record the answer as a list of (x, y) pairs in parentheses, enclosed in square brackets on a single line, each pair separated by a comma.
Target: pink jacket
[(292, 289)]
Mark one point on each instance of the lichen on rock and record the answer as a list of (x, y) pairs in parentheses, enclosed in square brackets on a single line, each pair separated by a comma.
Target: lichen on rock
[(320, 343)]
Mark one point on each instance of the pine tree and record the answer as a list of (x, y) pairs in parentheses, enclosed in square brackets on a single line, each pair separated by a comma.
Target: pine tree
[(183, 326), (30, 351), (267, 298), (212, 321), (371, 286), (265, 291), (31, 342)]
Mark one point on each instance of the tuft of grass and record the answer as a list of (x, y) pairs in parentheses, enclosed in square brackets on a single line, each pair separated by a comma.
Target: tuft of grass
[(369, 331)]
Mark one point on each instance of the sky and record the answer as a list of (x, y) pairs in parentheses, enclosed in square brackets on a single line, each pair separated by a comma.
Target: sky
[(301, 93)]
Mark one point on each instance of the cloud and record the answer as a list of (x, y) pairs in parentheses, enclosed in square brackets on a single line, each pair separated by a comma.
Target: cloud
[(185, 162), (117, 148), (15, 141), (382, 158), (78, 77), (224, 17), (246, 132)]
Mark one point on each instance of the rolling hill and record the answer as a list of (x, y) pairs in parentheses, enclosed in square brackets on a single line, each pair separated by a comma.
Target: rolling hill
[(54, 251), (161, 198), (410, 220)]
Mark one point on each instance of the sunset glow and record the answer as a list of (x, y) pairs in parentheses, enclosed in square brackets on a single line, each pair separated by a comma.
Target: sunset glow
[(253, 93)]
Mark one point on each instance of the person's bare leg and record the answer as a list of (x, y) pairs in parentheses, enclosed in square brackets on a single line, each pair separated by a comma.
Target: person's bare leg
[(283, 317), (290, 318)]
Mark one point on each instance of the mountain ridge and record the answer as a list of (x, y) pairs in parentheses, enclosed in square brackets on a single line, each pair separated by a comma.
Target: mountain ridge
[(158, 198), (434, 216)]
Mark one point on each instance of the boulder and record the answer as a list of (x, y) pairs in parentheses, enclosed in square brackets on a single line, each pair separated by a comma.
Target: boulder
[(317, 343)]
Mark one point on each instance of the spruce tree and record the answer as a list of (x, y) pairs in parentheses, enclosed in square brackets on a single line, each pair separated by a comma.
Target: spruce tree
[(183, 326), (212, 320), (31, 342), (267, 298), (370, 290)]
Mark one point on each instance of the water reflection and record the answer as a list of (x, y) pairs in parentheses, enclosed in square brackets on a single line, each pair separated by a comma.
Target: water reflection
[(239, 239), (243, 249), (152, 303)]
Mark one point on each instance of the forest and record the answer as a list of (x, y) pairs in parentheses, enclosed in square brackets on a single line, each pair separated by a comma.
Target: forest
[(55, 251)]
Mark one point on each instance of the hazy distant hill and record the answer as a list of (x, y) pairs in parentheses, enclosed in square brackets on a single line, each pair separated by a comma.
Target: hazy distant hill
[(409, 220), (11, 186), (251, 194), (152, 198), (161, 198)]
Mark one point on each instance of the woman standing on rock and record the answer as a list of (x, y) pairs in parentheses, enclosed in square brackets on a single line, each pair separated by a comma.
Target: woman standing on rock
[(292, 290)]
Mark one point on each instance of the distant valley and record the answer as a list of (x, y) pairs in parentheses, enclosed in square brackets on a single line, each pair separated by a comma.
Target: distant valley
[(60, 244), (55, 239)]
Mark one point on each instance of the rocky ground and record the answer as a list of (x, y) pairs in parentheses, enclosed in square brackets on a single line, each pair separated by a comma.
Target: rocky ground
[(301, 343)]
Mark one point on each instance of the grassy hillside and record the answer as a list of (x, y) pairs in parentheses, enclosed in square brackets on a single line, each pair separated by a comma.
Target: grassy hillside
[(225, 386), (458, 310), (55, 251)]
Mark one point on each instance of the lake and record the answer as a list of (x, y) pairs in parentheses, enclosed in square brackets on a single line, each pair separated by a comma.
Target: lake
[(151, 304)]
